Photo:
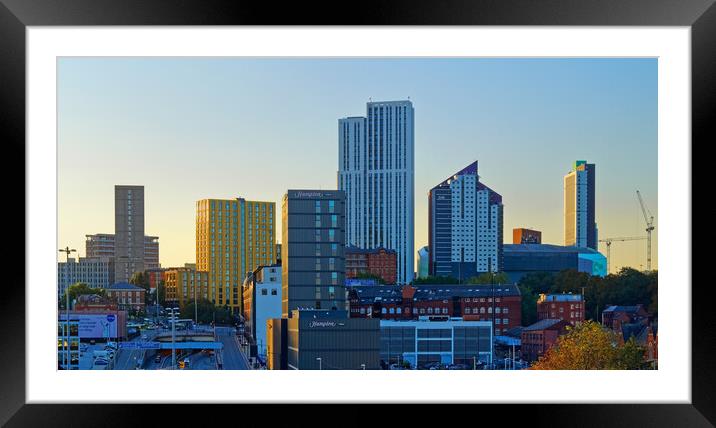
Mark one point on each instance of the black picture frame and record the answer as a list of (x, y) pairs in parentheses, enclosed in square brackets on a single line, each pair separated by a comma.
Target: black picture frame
[(16, 15)]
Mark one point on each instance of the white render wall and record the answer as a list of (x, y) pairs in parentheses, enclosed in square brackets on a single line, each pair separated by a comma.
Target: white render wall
[(376, 169)]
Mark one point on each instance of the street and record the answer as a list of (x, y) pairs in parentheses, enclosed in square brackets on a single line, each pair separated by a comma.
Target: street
[(233, 358)]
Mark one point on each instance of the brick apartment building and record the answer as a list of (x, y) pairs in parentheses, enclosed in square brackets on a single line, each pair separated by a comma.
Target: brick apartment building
[(568, 307), (378, 261), (540, 336), (500, 304)]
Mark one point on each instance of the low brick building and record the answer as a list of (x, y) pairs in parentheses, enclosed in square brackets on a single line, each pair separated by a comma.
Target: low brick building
[(500, 304), (127, 296), (540, 336), (568, 307), (379, 261), (614, 316)]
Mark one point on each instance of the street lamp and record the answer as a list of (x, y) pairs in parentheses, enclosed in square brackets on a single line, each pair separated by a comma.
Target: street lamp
[(320, 365), (67, 252), (173, 317)]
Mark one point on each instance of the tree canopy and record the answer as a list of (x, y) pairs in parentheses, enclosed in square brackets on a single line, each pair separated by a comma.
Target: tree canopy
[(436, 280), (627, 287), (590, 346), (489, 278), (77, 289), (206, 312)]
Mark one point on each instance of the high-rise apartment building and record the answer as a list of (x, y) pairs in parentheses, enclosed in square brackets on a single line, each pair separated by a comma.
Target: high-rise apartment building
[(102, 245), (128, 231), (580, 227), (376, 172), (313, 251), (465, 226), (233, 238)]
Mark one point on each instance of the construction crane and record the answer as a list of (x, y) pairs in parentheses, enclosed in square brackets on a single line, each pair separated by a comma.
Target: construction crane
[(649, 227), (608, 241)]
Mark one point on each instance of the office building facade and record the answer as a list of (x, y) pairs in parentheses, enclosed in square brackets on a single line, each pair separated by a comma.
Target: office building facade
[(261, 302), (580, 227), (465, 226), (182, 284), (422, 342), (498, 304), (128, 231), (376, 171), (96, 272), (521, 259), (233, 237), (313, 250), (329, 340)]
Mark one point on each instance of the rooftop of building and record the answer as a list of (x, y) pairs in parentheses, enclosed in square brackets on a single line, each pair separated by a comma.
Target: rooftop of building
[(546, 248), (394, 293), (357, 250), (560, 298), (544, 324), (124, 286), (640, 332), (621, 308), (318, 313)]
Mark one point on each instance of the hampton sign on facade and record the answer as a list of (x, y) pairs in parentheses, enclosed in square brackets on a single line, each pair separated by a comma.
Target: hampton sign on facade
[(325, 323)]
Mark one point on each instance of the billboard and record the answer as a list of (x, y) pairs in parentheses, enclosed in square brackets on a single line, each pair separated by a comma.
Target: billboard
[(95, 326)]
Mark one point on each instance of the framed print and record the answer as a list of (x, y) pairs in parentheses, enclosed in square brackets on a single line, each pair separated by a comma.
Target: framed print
[(221, 206)]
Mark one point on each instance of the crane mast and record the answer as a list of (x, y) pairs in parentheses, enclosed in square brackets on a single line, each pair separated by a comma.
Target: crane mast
[(609, 241), (649, 219)]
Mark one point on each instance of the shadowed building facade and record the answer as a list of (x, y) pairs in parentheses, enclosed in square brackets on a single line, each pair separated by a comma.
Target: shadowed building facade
[(465, 226)]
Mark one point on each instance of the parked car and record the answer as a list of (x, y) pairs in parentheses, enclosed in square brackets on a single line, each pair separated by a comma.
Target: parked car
[(158, 359)]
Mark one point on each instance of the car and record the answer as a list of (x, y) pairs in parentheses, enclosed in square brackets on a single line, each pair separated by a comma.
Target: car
[(92, 342), (158, 359), (145, 337)]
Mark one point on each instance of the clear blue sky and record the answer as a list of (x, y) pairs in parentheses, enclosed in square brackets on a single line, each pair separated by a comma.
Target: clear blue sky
[(192, 128)]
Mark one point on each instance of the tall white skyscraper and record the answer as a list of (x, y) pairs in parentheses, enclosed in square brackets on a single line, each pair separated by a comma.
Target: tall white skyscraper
[(376, 170), (580, 227)]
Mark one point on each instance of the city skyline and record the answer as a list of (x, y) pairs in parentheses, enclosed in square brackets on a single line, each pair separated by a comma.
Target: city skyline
[(206, 129)]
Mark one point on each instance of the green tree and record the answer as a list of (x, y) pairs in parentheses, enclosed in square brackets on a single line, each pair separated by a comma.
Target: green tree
[(529, 305), (140, 279), (489, 278), (77, 289), (627, 287), (206, 312), (435, 280), (630, 355)]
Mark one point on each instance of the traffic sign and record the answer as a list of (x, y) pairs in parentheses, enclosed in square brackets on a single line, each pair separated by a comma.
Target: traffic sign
[(110, 317)]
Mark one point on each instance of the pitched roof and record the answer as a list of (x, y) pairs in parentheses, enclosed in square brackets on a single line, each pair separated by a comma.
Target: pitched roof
[(544, 324), (619, 308), (124, 286)]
